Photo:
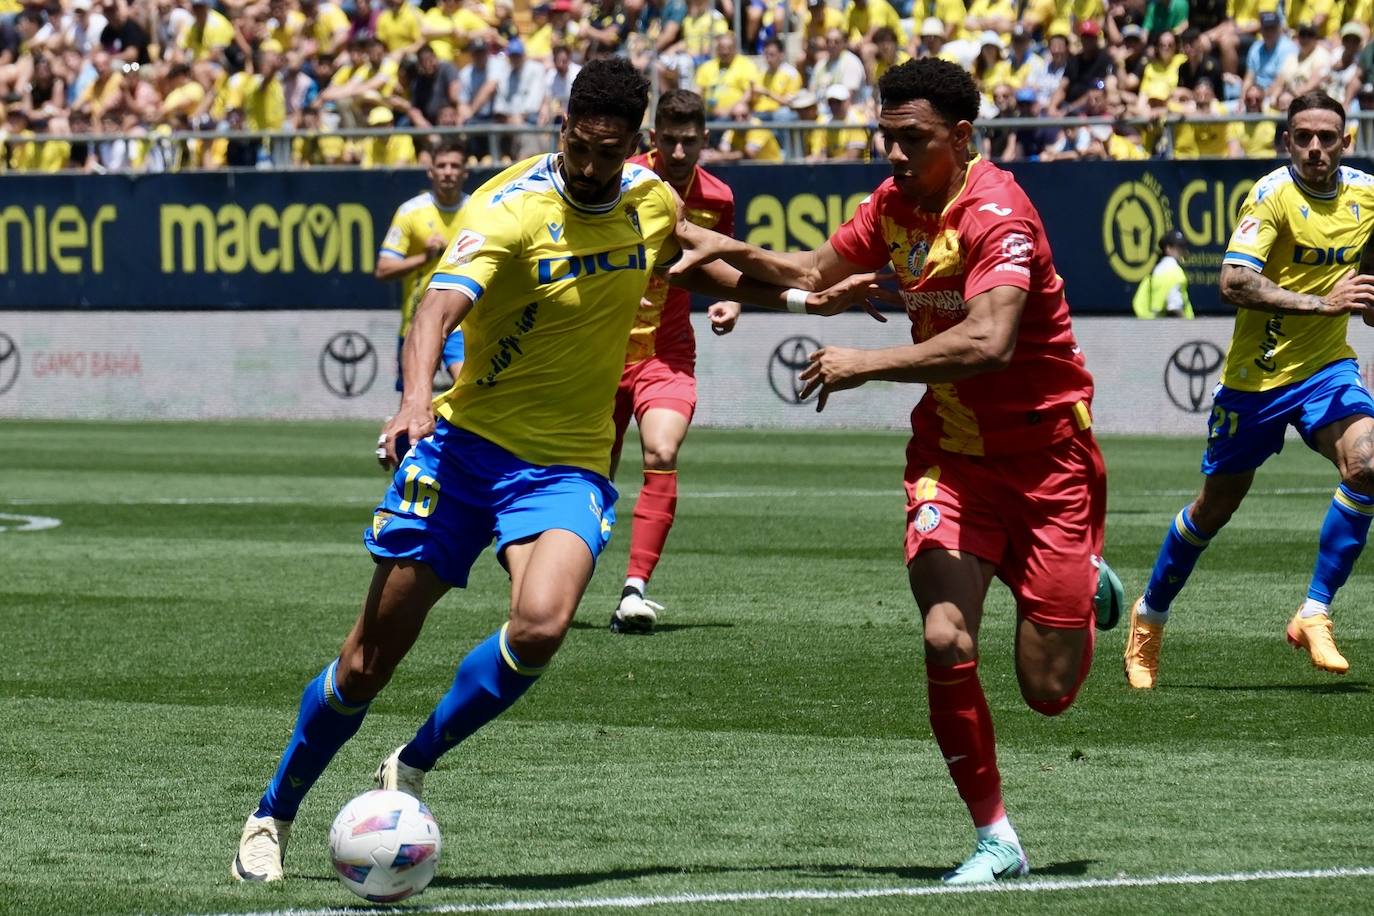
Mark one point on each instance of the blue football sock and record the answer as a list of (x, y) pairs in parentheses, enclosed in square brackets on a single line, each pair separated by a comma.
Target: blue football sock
[(1177, 556), (326, 720), (1343, 535), (488, 681)]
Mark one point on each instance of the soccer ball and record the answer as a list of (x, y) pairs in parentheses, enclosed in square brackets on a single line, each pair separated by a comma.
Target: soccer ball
[(385, 846)]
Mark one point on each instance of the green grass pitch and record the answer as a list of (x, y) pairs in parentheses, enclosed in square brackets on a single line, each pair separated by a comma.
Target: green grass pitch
[(771, 737)]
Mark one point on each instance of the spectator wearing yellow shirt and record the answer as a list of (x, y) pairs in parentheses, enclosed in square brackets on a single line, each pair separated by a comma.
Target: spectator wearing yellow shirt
[(843, 144), (887, 53), (1160, 76), (1021, 66), (1246, 14), (748, 141), (1316, 13), (863, 18), (1194, 139), (183, 96), (1252, 139), (386, 152), (103, 92), (700, 27), (324, 28), (449, 27), (208, 34), (1060, 17), (943, 11), (771, 96), (989, 16), (727, 78), (369, 77), (399, 26), (559, 29), (821, 18)]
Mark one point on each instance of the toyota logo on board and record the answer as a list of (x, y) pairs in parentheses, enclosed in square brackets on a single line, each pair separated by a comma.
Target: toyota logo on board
[(1191, 372), (348, 364), (9, 362), (785, 365)]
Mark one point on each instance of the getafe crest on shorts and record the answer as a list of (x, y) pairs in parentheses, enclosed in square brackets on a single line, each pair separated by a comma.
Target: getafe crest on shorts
[(927, 518)]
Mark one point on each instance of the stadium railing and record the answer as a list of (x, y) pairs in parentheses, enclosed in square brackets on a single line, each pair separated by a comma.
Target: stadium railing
[(278, 144)]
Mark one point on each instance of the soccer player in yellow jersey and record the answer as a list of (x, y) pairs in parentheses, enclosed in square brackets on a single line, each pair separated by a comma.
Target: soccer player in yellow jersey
[(546, 275), (1288, 270), (421, 230)]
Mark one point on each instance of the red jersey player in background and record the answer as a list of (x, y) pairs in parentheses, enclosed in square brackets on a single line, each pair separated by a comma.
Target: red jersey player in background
[(659, 387), (1003, 475)]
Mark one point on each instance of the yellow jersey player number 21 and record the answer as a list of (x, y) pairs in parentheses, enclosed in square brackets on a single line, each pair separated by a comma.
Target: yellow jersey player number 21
[(1289, 270)]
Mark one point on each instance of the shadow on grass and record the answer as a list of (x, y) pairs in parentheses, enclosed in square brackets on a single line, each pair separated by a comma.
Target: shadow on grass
[(566, 880), (1333, 687), (660, 628)]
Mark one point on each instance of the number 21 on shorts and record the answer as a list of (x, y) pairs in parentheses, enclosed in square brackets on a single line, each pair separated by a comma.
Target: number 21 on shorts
[(1223, 422), (419, 493)]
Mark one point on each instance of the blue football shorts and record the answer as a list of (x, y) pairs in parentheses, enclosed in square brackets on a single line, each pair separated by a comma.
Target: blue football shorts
[(455, 492), (1247, 427), (453, 353)]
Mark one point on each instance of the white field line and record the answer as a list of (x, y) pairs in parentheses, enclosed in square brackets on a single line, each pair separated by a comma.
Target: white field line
[(894, 492), (926, 890)]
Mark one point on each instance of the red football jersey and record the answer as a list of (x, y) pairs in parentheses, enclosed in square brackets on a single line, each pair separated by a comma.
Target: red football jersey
[(988, 236), (663, 326)]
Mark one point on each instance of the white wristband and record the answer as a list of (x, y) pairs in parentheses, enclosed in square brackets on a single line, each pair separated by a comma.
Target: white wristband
[(796, 301)]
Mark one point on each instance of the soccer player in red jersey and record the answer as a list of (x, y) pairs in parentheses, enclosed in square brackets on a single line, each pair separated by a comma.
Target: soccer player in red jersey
[(659, 387), (1004, 478)]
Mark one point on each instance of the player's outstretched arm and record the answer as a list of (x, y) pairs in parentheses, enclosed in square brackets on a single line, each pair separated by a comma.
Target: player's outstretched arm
[(716, 278), (439, 313), (808, 270), (1249, 289), (982, 342)]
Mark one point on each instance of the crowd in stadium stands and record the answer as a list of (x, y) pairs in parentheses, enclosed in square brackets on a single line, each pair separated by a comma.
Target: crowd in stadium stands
[(137, 70)]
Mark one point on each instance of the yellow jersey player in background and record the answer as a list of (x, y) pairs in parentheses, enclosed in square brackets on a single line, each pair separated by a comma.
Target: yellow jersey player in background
[(420, 232), (546, 275), (1289, 271)]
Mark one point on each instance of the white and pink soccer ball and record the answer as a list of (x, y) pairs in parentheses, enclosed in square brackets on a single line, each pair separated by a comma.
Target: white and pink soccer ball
[(385, 846)]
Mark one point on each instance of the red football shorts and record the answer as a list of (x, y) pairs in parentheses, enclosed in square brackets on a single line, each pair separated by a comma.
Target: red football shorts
[(653, 383), (1038, 517)]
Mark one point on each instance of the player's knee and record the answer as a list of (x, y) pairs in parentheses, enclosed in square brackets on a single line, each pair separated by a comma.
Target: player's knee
[(1050, 693), (536, 632), (1211, 515), (362, 673), (661, 457), (947, 644)]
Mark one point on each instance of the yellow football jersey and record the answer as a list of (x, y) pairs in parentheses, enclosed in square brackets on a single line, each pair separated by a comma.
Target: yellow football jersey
[(415, 221), (1304, 242), (556, 285)]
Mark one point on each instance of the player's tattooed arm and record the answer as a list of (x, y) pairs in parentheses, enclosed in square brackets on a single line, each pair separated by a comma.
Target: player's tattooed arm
[(1247, 288)]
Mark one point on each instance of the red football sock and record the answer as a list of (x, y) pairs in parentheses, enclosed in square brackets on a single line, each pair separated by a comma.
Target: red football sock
[(653, 518), (962, 724)]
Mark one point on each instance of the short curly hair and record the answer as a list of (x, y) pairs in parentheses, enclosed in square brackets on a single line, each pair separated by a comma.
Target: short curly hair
[(609, 88), (948, 88)]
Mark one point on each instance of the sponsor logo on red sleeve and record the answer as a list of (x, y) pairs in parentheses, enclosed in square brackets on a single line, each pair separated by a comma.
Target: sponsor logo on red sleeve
[(995, 209), (1016, 250)]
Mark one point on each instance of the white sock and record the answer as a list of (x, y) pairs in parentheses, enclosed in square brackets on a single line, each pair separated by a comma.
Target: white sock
[(1312, 607), (636, 584), (1002, 830), (1149, 615)]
